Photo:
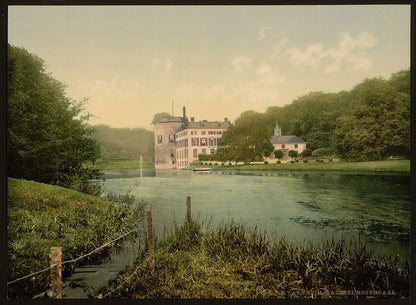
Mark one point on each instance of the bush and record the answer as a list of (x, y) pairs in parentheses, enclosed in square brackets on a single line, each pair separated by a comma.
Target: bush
[(306, 153), (305, 161), (292, 161), (278, 162), (278, 154), (293, 153), (322, 152), (266, 162)]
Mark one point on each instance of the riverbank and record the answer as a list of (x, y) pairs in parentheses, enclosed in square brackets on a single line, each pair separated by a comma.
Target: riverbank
[(115, 164), (233, 262), (386, 166), (42, 216)]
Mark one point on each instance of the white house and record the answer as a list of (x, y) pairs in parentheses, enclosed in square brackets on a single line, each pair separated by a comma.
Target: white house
[(287, 143)]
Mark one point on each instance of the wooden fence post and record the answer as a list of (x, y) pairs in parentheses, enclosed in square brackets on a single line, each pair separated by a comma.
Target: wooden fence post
[(150, 244), (56, 272), (188, 212)]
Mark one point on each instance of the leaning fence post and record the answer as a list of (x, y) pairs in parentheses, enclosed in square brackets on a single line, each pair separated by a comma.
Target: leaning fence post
[(56, 272), (188, 212), (151, 250)]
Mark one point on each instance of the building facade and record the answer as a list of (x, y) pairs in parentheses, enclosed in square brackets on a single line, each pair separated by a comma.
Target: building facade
[(287, 143), (179, 142)]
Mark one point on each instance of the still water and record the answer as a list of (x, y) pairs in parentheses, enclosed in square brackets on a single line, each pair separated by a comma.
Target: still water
[(301, 206)]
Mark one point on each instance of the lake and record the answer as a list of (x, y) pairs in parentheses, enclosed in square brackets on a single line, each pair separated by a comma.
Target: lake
[(301, 206)]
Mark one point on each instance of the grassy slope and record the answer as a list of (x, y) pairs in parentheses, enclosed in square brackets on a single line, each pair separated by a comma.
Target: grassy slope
[(400, 166), (231, 262), (114, 164), (41, 216)]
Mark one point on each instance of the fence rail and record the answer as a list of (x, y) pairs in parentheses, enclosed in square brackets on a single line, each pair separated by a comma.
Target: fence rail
[(73, 260)]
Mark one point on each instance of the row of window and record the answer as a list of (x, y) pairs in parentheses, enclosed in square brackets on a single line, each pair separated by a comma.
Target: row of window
[(183, 153), (195, 141), (195, 132), (284, 146)]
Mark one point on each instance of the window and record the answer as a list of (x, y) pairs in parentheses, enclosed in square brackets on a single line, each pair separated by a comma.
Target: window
[(195, 153), (203, 141), (204, 151), (211, 141), (212, 151), (195, 141), (296, 145), (203, 132), (186, 142), (171, 138), (171, 153), (159, 139)]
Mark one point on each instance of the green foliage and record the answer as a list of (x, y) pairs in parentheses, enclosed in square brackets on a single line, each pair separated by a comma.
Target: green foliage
[(247, 140), (125, 143), (232, 261), (278, 154), (293, 153), (322, 152), (306, 153), (48, 140), (41, 216), (377, 125)]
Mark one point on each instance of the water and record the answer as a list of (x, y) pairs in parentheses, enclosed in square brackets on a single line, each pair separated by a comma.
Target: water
[(301, 206)]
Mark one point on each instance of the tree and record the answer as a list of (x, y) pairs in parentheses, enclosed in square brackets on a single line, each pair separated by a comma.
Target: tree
[(159, 116), (278, 154), (378, 123), (248, 139), (48, 140)]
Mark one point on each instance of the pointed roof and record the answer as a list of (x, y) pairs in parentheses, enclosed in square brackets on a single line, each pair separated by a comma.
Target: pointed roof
[(286, 140)]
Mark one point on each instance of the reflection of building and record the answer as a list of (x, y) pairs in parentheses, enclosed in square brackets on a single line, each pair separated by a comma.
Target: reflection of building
[(287, 143), (179, 142)]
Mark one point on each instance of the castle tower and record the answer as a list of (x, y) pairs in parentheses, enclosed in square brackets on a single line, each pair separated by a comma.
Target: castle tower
[(164, 131)]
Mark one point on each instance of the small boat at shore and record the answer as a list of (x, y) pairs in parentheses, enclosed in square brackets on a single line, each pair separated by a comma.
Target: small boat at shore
[(202, 169)]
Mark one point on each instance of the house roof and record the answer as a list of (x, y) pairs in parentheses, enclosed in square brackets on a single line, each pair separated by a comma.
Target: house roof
[(286, 140), (208, 125)]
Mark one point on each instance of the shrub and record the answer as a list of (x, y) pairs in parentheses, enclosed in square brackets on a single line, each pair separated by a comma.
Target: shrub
[(278, 154), (293, 153), (278, 162), (305, 161), (266, 162), (322, 152), (306, 153), (292, 161)]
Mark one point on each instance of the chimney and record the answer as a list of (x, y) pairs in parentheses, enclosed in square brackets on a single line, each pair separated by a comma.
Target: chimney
[(225, 119), (184, 113), (192, 119)]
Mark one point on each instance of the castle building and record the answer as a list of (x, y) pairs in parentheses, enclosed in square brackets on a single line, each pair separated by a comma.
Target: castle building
[(287, 143), (179, 142)]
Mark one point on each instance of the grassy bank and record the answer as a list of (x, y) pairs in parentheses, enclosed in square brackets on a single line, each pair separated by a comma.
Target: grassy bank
[(42, 216), (231, 262), (114, 164), (396, 166)]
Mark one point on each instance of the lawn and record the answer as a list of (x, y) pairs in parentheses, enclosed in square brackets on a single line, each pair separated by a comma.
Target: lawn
[(115, 164), (396, 166)]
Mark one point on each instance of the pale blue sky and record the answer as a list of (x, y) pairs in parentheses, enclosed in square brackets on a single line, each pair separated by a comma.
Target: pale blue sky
[(218, 61)]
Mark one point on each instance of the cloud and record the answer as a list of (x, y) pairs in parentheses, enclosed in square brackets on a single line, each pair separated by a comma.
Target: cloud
[(349, 52), (241, 62), (265, 31), (165, 64), (268, 76)]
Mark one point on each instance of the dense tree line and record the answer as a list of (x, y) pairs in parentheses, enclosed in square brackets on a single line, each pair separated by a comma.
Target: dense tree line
[(125, 142), (369, 122), (48, 140)]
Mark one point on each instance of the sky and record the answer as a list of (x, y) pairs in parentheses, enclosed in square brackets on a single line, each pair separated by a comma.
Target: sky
[(218, 61)]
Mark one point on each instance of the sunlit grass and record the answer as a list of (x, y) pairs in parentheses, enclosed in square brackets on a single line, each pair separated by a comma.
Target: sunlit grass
[(401, 166), (114, 164)]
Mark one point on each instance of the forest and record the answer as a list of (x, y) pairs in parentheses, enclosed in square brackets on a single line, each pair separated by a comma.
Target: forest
[(369, 122)]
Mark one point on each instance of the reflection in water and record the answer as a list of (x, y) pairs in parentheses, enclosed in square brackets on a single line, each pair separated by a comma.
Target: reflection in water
[(299, 205)]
